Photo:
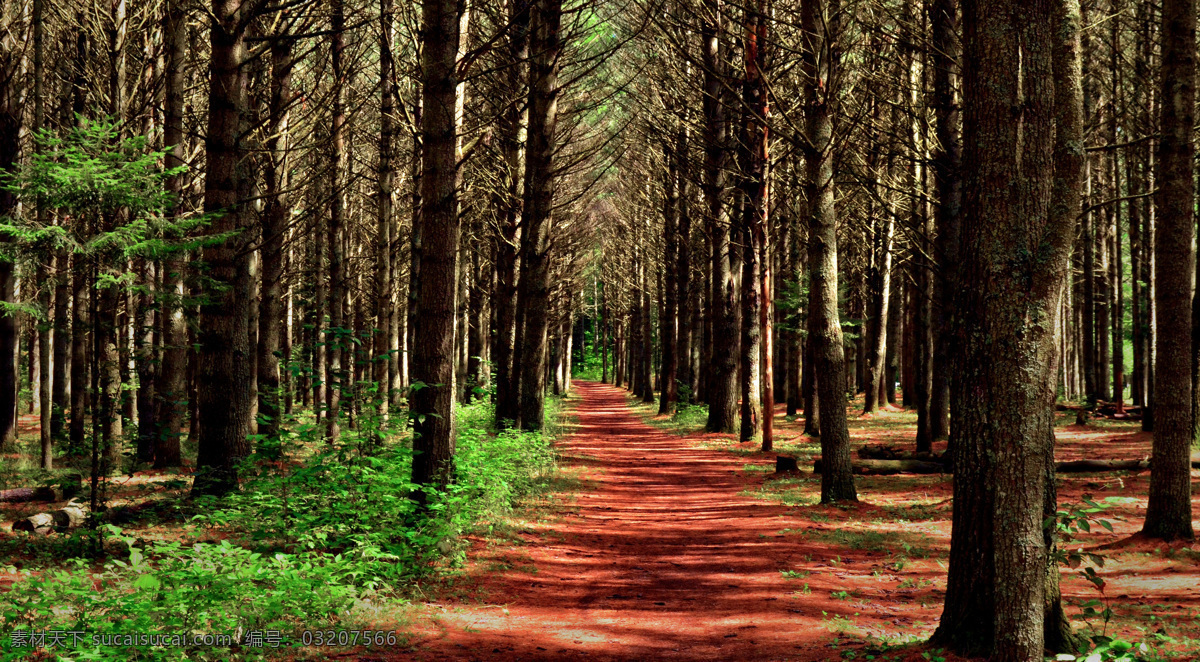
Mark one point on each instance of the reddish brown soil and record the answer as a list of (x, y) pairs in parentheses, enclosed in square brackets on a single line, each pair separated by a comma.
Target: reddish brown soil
[(687, 547), (665, 560)]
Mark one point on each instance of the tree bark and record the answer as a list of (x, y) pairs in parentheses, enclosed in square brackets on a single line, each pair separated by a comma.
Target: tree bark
[(10, 149), (478, 317), (1134, 165), (818, 23), (533, 291), (668, 323), (146, 361), (947, 173), (758, 209), (44, 284), (687, 292), (508, 238), (647, 348), (1005, 376), (432, 396), (1169, 511), (108, 328), (275, 219), (224, 365), (794, 339), (809, 381), (722, 384), (895, 335), (336, 337), (882, 283)]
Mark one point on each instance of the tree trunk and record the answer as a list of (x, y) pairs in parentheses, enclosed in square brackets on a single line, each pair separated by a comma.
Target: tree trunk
[(686, 302), (223, 367), (748, 372), (534, 288), (146, 362), (877, 350), (668, 323), (59, 393), (757, 211), (818, 22), (504, 298), (1087, 238), (1136, 186), (336, 338), (796, 362), (947, 165), (1005, 375), (43, 282), (922, 347), (809, 381), (1103, 303), (320, 331), (647, 348), (1115, 273), (275, 220), (605, 334), (432, 396), (1169, 511), (894, 335), (722, 385), (477, 318), (10, 150)]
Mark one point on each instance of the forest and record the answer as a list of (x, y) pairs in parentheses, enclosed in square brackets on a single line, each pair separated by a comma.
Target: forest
[(599, 330)]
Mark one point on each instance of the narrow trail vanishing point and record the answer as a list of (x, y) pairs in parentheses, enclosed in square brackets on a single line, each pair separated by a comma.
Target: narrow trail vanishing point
[(663, 560)]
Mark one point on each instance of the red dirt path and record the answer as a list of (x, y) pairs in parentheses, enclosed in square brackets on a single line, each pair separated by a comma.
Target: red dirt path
[(663, 560)]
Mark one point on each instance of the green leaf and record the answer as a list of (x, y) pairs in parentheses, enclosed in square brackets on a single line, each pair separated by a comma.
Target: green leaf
[(147, 582)]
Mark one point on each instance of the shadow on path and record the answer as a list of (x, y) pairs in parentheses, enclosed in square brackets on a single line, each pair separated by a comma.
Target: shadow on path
[(663, 560)]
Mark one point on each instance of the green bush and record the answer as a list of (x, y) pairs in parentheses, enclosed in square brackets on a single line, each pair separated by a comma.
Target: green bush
[(170, 588), (298, 546)]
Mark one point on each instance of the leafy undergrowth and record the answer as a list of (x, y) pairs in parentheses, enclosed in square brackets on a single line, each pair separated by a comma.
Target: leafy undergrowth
[(323, 540), (887, 555)]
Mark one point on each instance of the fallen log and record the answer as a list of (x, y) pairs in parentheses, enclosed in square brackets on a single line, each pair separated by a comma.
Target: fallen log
[(878, 452), (26, 494), (1102, 409), (916, 466), (63, 486), (1085, 466), (889, 467), (68, 517), (34, 522)]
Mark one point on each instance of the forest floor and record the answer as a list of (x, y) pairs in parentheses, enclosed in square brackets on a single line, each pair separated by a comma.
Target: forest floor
[(681, 545), (663, 542)]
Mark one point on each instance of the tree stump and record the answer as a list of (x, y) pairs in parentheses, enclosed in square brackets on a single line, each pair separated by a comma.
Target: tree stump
[(785, 464)]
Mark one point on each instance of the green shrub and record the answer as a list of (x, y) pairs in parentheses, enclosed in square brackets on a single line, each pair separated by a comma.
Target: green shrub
[(298, 545), (171, 588)]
